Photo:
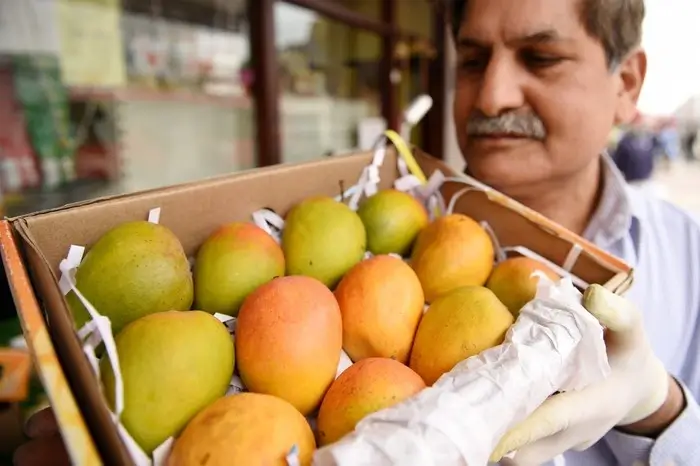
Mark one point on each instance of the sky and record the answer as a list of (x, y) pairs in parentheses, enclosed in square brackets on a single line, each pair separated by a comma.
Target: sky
[(672, 41)]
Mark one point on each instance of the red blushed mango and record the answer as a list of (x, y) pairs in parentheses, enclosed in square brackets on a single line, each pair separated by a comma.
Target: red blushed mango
[(365, 387), (288, 340), (232, 262), (381, 301)]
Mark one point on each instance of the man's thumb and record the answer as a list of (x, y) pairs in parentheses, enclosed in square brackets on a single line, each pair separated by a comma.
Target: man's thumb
[(613, 311), (549, 419)]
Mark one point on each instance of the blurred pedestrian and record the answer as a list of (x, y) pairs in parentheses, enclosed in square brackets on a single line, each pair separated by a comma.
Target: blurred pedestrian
[(669, 142)]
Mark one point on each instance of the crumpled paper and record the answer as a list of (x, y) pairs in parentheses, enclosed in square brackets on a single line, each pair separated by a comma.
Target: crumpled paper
[(555, 345)]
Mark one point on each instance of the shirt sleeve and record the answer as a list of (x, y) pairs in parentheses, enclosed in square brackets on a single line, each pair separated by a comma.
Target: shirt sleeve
[(678, 445)]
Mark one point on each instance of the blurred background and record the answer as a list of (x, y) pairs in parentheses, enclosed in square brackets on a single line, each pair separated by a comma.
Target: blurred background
[(107, 96), (101, 97)]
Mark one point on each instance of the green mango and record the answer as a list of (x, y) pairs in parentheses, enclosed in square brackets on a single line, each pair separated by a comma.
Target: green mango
[(133, 270), (173, 365), (231, 264), (323, 239)]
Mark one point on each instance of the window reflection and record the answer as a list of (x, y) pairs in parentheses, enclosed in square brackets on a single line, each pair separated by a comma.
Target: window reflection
[(329, 82), (108, 96)]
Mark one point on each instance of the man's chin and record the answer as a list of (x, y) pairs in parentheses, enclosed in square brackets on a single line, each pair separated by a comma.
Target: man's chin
[(502, 175), (506, 166)]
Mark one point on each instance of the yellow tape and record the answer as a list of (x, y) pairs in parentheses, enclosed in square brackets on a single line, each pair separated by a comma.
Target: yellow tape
[(406, 155)]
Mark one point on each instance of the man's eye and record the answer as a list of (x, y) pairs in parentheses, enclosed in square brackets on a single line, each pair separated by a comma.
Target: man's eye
[(540, 60), (472, 64)]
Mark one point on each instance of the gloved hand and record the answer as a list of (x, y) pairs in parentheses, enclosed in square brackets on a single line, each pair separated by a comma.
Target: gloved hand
[(636, 387)]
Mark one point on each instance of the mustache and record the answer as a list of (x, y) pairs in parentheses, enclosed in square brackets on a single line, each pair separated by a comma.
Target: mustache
[(526, 125)]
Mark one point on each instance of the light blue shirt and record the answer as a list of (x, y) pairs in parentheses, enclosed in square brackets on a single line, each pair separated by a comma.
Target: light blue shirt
[(662, 243)]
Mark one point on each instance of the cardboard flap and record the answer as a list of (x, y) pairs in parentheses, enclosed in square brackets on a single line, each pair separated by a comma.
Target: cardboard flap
[(78, 372), (78, 440)]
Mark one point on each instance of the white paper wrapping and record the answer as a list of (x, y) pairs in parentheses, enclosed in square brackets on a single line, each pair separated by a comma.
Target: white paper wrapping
[(555, 345)]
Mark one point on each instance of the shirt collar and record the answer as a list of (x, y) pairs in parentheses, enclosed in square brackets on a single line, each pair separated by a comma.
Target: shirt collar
[(614, 218)]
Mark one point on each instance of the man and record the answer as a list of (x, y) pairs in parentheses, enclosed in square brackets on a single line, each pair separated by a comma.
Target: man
[(634, 155), (540, 84), (635, 158), (668, 141)]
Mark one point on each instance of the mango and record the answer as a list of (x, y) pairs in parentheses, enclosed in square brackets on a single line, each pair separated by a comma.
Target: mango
[(392, 220), (173, 364), (133, 270), (323, 239), (381, 301), (451, 252), (231, 263), (288, 340), (244, 429), (456, 326), (512, 281), (364, 388)]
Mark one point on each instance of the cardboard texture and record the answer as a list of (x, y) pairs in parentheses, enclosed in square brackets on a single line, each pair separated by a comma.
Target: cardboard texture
[(193, 211)]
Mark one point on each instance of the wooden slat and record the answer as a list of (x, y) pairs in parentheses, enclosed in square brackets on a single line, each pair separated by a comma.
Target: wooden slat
[(266, 83)]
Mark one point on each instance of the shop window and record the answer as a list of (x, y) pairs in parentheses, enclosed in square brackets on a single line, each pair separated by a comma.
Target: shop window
[(329, 83), (121, 95)]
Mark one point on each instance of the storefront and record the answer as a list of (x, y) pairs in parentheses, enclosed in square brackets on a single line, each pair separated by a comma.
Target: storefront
[(363, 60), (145, 93)]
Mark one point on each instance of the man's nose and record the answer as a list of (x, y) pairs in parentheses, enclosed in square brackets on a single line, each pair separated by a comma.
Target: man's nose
[(500, 90)]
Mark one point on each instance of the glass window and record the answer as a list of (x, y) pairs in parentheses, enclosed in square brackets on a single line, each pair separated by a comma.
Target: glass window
[(118, 95), (329, 83)]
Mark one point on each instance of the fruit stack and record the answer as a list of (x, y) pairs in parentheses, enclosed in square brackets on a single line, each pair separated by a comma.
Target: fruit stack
[(404, 297)]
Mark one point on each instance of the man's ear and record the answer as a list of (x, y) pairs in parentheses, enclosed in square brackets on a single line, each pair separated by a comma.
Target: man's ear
[(631, 73)]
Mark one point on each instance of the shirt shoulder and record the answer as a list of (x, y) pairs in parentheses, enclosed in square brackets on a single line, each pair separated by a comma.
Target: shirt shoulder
[(664, 219), (667, 274)]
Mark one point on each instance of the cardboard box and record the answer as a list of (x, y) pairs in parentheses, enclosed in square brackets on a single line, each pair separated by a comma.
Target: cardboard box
[(193, 211)]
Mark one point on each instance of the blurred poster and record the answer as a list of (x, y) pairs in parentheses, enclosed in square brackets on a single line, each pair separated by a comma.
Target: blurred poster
[(91, 49)]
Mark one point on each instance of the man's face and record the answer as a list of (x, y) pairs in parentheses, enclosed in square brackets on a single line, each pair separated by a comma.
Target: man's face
[(535, 100)]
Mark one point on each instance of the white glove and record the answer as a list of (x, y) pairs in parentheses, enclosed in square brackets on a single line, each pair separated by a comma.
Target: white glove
[(636, 387)]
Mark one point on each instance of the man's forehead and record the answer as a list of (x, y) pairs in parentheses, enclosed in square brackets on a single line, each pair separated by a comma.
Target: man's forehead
[(543, 36), (516, 21)]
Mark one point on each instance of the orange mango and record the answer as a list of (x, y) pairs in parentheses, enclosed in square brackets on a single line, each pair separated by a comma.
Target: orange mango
[(381, 301), (288, 340), (458, 325), (365, 387), (247, 428), (452, 252), (513, 283)]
